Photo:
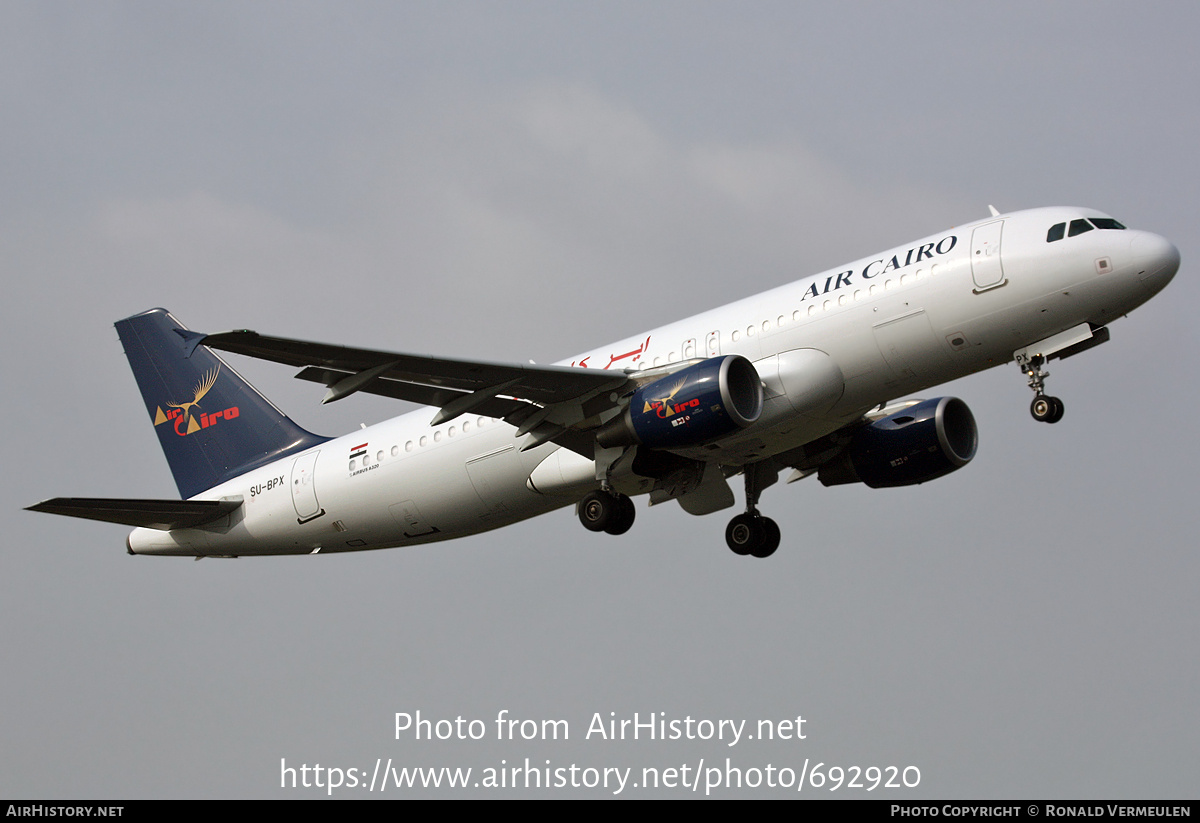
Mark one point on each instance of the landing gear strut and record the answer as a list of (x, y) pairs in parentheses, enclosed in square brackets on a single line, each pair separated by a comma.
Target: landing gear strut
[(1045, 409), (752, 533), (607, 511)]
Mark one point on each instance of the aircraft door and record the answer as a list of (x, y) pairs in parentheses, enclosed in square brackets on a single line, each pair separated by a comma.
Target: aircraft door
[(986, 268), (304, 488), (713, 344)]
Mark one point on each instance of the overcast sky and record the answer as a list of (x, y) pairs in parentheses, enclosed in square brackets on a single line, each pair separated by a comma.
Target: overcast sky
[(527, 181)]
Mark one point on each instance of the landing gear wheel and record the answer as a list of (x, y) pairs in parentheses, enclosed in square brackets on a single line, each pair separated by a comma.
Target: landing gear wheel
[(598, 510), (1046, 409), (743, 533), (622, 520), (604, 511), (770, 538), (752, 534)]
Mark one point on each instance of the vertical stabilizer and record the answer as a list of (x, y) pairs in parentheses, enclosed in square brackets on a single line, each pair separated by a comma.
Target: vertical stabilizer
[(211, 423)]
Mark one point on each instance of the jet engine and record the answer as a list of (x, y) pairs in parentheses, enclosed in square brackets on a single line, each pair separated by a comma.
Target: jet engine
[(694, 405), (922, 442)]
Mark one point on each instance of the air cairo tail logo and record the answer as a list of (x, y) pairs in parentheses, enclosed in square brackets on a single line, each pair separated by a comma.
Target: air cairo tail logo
[(189, 417)]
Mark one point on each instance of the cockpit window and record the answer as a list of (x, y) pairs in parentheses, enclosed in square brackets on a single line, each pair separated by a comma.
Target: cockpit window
[(1079, 227)]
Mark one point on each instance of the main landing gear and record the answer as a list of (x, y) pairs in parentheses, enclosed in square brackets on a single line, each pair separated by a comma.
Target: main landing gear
[(751, 533), (607, 511), (1045, 409)]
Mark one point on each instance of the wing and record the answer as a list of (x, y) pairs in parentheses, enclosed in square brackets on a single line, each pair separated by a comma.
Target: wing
[(547, 403)]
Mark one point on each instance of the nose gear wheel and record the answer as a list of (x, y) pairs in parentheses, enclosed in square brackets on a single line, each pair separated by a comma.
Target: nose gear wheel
[(1044, 408)]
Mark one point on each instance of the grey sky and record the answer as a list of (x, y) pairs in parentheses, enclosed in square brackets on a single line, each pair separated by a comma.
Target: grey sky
[(528, 180)]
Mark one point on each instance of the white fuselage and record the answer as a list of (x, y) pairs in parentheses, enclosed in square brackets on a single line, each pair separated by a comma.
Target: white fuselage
[(887, 325)]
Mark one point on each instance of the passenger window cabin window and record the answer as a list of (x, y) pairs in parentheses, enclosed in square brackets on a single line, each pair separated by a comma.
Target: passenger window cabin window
[(1078, 227), (1056, 232)]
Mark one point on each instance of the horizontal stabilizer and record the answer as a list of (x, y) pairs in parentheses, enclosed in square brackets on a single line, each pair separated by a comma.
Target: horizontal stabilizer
[(152, 514)]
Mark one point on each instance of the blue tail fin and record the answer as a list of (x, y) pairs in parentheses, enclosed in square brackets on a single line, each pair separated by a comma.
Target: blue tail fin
[(212, 424)]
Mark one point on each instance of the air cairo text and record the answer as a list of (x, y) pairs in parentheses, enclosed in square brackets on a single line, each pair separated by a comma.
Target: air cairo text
[(883, 265)]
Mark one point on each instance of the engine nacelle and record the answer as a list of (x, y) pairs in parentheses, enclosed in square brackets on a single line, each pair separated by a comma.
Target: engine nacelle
[(919, 443), (694, 405)]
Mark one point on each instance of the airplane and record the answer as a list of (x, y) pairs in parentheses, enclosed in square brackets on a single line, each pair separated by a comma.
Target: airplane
[(802, 377)]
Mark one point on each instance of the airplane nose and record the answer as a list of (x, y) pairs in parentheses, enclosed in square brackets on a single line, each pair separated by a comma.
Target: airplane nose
[(1156, 259)]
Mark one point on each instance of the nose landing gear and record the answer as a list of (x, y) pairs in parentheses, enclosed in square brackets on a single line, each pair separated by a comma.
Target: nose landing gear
[(1045, 409)]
